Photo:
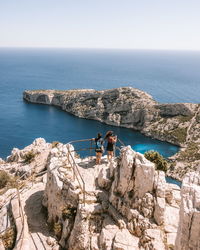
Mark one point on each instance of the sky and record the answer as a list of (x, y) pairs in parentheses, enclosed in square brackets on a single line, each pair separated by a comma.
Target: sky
[(116, 24)]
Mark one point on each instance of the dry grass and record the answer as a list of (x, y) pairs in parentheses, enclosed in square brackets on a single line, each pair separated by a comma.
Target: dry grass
[(29, 157), (8, 238), (4, 178)]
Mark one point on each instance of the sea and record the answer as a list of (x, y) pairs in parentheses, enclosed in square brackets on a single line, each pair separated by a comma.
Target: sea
[(169, 76)]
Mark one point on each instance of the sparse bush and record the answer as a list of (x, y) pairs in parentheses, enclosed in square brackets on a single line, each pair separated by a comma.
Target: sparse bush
[(28, 157), (191, 153), (4, 178), (155, 157), (179, 134), (8, 238), (57, 228), (68, 213), (184, 119)]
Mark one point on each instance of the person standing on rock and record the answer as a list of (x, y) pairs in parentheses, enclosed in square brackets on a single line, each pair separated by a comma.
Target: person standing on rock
[(111, 140), (99, 147)]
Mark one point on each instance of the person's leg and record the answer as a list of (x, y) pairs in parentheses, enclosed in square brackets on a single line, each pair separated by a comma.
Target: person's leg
[(97, 155), (100, 155), (109, 155)]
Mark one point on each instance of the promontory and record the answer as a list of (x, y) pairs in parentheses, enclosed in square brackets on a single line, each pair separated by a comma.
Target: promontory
[(177, 123)]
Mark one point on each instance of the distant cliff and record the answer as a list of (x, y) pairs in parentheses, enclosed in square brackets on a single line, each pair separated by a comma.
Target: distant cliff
[(132, 108)]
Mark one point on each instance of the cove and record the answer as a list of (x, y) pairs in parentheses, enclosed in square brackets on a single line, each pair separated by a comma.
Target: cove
[(53, 124)]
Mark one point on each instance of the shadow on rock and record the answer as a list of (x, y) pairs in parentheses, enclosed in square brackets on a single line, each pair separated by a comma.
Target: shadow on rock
[(36, 214)]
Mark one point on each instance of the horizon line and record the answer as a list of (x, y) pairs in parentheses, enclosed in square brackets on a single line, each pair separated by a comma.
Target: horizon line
[(96, 48)]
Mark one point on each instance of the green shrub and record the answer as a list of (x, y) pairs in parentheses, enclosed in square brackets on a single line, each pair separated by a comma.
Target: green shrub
[(155, 157), (4, 178)]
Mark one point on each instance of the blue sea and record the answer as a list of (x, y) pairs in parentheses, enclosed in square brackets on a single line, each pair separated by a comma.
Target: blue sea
[(169, 76)]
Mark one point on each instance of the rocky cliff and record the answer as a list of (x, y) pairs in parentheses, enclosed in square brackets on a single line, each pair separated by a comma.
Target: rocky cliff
[(132, 108), (124, 204), (127, 205)]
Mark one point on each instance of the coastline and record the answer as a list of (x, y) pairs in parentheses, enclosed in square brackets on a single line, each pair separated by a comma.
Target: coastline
[(132, 108)]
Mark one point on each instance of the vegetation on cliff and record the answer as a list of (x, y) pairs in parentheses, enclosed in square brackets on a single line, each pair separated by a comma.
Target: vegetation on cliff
[(155, 157)]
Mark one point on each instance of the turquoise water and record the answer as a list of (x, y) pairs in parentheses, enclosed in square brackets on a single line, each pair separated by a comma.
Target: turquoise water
[(167, 76)]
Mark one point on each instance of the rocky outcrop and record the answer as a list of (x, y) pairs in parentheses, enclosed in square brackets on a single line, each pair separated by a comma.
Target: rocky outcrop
[(21, 199), (119, 211), (188, 236), (124, 204), (132, 108), (28, 161)]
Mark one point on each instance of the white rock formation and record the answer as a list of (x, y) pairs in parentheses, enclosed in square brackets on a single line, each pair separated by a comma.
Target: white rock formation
[(188, 236), (124, 204), (120, 211), (31, 159)]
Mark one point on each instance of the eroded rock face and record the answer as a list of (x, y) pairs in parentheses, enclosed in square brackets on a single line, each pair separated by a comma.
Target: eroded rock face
[(189, 226)]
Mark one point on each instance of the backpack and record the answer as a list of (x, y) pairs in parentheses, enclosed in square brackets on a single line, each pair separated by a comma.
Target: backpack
[(99, 143)]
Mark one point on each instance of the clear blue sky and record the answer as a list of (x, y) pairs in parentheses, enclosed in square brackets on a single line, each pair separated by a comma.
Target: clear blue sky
[(130, 24)]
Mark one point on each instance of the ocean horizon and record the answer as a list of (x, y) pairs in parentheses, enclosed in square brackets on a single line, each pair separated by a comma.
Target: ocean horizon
[(169, 76)]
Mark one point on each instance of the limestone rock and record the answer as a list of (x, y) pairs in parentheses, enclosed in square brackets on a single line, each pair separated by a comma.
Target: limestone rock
[(153, 239), (144, 175), (31, 159), (108, 233), (2, 161), (159, 210), (104, 178), (125, 241), (189, 230)]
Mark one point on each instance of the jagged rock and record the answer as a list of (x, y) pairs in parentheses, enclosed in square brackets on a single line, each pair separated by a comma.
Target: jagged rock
[(125, 241), (144, 171), (159, 210), (189, 230), (123, 204), (104, 180), (172, 195), (108, 233), (2, 161), (153, 239), (160, 184), (31, 159)]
